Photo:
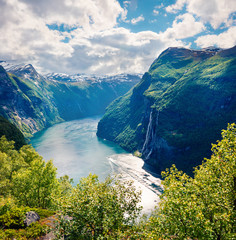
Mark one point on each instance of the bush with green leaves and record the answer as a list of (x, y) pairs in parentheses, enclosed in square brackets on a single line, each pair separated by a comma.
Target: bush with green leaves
[(34, 231), (13, 218), (203, 207), (26, 176), (12, 221), (98, 210)]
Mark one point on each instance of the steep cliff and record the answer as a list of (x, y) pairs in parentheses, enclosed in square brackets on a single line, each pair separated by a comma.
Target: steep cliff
[(178, 109), (26, 103)]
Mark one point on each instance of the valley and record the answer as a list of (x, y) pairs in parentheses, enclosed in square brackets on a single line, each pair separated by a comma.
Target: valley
[(34, 102)]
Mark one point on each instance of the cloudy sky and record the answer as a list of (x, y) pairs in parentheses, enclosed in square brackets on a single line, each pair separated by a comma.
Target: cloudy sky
[(109, 36)]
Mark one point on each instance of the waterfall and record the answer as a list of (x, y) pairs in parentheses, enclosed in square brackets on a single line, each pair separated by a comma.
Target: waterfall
[(157, 120), (79, 107), (150, 135), (148, 131)]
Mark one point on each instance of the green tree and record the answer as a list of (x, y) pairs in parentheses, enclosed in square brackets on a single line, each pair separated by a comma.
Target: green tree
[(35, 186), (65, 185), (11, 132), (25, 175), (203, 207), (98, 210), (10, 162)]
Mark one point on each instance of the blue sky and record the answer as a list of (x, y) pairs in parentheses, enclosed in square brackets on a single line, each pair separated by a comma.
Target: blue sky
[(109, 36)]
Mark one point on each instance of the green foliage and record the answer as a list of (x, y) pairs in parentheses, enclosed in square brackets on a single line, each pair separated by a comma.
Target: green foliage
[(98, 210), (43, 213), (34, 231), (25, 175), (65, 185), (11, 133), (202, 207), (35, 185), (10, 162), (12, 221), (13, 217)]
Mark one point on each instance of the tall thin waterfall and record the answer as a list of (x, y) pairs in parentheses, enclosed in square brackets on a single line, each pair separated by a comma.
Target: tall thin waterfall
[(150, 135), (148, 131)]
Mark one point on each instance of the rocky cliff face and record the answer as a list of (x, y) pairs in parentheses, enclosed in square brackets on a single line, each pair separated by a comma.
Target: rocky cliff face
[(32, 101), (26, 103), (178, 109)]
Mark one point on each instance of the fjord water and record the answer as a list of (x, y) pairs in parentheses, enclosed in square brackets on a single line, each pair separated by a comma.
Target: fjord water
[(77, 151), (75, 148)]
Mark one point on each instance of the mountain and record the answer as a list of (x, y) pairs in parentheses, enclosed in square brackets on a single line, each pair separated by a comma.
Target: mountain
[(79, 96), (177, 110), (27, 103), (32, 101)]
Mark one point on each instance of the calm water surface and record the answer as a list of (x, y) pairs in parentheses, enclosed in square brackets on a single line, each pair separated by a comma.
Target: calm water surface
[(75, 148)]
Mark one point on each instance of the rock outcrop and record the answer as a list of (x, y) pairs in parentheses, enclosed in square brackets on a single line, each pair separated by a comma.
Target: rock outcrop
[(31, 217)]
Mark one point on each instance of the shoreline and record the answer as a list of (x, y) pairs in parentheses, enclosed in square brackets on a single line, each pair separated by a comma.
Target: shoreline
[(132, 168)]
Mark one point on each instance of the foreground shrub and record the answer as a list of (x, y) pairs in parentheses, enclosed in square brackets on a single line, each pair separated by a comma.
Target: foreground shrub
[(96, 210), (34, 231), (203, 207)]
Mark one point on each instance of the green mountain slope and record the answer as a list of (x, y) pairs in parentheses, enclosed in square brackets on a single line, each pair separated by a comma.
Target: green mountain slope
[(27, 104), (178, 109), (11, 132)]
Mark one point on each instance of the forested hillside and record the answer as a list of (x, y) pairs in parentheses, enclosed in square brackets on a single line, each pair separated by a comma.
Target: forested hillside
[(11, 132)]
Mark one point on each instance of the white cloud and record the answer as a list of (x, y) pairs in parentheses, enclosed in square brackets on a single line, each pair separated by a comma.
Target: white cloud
[(226, 39), (138, 19), (126, 3), (96, 44), (216, 12), (155, 12), (26, 37), (115, 50), (184, 26), (177, 6), (156, 9), (159, 6)]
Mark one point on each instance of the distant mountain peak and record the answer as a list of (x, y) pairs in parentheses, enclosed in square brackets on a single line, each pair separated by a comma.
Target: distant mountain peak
[(91, 78), (21, 70)]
